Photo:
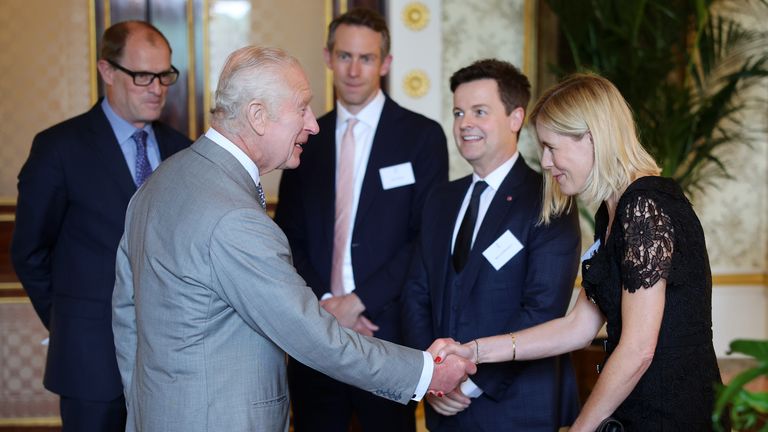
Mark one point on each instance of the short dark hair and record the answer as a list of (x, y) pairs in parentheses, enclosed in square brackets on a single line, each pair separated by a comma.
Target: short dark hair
[(361, 17), (514, 88), (113, 41)]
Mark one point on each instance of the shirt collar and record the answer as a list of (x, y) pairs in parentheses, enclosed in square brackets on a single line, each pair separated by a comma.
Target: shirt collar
[(122, 128), (247, 163), (498, 175), (369, 115)]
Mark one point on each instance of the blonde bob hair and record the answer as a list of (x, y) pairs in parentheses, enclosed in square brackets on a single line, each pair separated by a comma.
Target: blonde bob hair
[(589, 104)]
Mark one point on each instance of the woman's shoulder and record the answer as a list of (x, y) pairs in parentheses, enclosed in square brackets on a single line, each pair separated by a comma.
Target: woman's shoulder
[(662, 191)]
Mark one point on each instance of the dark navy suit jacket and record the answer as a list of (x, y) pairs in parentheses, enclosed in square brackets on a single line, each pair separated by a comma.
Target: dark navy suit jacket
[(532, 287), (73, 193), (387, 221)]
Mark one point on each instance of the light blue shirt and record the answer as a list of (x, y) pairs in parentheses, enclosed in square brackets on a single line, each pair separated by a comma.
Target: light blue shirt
[(123, 131)]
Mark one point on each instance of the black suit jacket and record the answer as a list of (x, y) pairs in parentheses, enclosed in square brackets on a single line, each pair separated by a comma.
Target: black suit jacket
[(534, 286), (73, 193), (387, 221)]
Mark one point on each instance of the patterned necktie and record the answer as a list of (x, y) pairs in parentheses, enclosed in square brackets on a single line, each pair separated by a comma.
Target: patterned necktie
[(143, 168), (464, 237), (345, 183), (262, 198)]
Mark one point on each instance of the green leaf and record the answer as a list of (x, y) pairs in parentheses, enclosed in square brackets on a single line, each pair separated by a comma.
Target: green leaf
[(755, 348)]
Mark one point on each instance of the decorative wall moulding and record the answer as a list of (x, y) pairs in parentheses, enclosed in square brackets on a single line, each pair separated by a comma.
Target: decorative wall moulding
[(415, 15), (416, 83)]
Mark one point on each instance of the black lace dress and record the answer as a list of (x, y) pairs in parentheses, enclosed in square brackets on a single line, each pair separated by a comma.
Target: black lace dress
[(656, 235)]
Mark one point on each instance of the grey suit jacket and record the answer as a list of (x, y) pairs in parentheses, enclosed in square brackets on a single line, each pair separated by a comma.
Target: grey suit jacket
[(207, 301)]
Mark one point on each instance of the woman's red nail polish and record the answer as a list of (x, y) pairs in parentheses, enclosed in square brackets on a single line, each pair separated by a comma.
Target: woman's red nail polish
[(439, 394), (438, 359)]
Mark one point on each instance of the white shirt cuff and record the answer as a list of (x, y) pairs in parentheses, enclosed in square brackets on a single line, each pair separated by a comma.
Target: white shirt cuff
[(426, 377), (470, 389)]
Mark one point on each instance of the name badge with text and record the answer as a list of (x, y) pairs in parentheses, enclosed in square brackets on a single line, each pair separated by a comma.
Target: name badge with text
[(502, 250), (397, 175)]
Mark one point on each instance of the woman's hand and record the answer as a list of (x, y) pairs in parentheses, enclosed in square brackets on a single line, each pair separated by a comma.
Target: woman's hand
[(441, 348)]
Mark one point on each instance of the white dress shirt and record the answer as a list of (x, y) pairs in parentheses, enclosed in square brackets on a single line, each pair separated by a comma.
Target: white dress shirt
[(247, 163), (365, 129)]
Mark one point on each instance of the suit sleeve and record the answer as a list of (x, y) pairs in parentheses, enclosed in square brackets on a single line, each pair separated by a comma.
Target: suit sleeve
[(553, 260), (124, 316), (430, 165), (40, 213), (416, 308), (252, 270), (289, 215)]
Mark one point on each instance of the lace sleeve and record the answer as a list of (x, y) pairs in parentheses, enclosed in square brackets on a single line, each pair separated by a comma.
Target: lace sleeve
[(648, 244)]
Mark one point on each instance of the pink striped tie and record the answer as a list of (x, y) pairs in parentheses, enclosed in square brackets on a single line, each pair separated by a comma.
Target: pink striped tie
[(345, 184)]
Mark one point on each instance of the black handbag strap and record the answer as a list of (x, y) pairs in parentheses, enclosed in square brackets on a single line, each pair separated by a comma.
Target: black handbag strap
[(610, 425)]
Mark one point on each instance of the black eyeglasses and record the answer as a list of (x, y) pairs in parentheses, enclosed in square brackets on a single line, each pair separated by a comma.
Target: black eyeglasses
[(144, 79)]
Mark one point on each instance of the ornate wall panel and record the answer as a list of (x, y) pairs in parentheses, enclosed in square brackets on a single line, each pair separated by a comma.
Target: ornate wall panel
[(415, 77), (296, 26), (473, 30), (735, 212), (46, 72), (23, 400)]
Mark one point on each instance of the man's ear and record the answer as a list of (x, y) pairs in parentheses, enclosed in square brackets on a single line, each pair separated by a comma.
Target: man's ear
[(106, 71), (516, 119), (327, 58), (256, 114), (386, 63)]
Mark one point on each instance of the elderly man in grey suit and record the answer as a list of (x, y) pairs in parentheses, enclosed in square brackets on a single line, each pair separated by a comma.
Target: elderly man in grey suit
[(206, 300)]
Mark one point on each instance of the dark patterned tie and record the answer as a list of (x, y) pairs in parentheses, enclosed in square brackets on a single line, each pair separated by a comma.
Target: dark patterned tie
[(143, 168), (464, 237), (262, 198)]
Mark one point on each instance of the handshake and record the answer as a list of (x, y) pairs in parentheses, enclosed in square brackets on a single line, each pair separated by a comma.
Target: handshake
[(453, 364)]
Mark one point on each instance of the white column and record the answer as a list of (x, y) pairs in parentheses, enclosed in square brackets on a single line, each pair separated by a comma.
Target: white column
[(415, 78)]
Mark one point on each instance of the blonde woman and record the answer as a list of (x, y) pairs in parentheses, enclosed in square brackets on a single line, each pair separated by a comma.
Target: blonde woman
[(647, 274)]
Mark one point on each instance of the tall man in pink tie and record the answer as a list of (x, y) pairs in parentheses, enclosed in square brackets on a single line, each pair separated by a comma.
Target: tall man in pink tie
[(351, 212)]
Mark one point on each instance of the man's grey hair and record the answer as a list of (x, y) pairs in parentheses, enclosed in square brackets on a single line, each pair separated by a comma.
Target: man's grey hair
[(250, 73)]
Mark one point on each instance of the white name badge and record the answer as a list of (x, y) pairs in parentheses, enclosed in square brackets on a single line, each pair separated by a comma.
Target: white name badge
[(502, 250), (397, 175), (591, 251)]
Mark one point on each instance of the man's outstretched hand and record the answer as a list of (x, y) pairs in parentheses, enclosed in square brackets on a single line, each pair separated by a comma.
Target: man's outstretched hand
[(449, 373)]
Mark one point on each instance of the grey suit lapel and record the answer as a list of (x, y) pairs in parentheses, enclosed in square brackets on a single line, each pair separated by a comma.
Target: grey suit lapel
[(228, 163)]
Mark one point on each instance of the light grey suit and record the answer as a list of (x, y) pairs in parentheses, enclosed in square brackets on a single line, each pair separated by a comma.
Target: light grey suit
[(207, 299)]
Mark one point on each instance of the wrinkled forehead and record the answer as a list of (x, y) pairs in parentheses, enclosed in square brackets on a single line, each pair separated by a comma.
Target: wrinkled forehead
[(146, 47)]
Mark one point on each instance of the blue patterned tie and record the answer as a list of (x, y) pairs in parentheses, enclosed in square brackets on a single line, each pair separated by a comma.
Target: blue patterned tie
[(143, 168), (262, 198)]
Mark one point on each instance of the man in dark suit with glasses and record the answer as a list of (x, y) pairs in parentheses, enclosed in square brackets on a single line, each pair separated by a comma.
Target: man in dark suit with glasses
[(73, 193)]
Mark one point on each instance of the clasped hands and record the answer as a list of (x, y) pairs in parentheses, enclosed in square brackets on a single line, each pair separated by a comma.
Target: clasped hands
[(348, 310), (455, 362)]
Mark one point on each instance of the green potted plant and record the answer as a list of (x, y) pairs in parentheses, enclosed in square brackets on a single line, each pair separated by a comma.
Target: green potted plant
[(683, 68), (748, 410)]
